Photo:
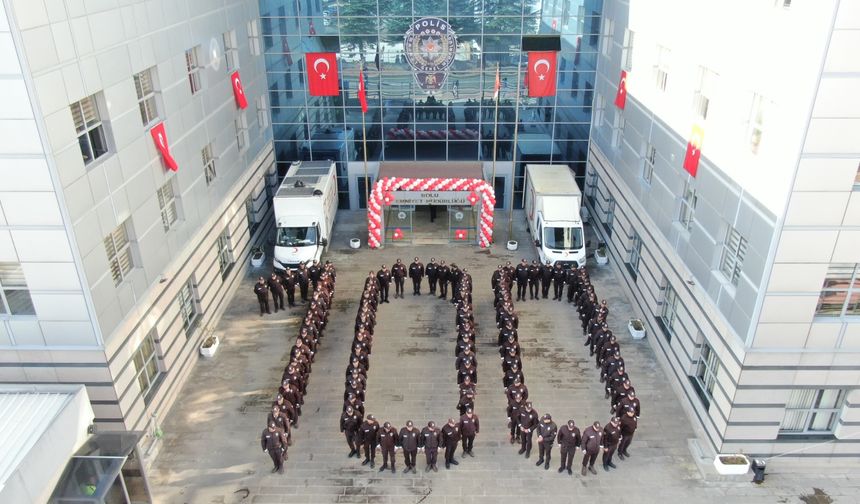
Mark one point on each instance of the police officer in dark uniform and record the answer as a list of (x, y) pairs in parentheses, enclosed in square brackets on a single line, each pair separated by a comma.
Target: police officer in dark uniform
[(470, 426), (388, 441), (274, 442), (261, 289), (450, 438), (611, 437), (409, 437), (432, 272), (628, 424), (546, 273), (528, 421), (443, 274), (546, 431), (314, 272), (558, 276), (277, 291), (416, 273), (522, 277), (571, 279), (350, 422), (534, 279), (288, 280), (569, 439), (592, 444), (383, 276), (302, 280), (398, 273), (368, 434), (429, 441)]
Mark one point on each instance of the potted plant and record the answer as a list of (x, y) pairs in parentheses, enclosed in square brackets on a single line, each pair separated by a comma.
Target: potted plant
[(600, 254), (210, 346), (257, 257), (636, 328), (735, 464), (512, 245), (354, 243)]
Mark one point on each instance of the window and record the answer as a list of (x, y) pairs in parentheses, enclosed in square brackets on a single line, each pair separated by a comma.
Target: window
[(254, 37), (661, 69), (610, 216), (811, 411), (635, 255), (783, 3), (706, 373), (857, 179), (262, 112), (274, 92), (225, 253), (627, 50), (688, 206), (705, 85), (188, 308), (599, 109), (90, 129), (734, 251), (14, 293), (669, 312), (167, 204), (756, 122), (648, 161), (208, 164), (118, 248), (146, 367), (192, 65), (241, 123), (618, 129), (231, 50), (587, 97), (250, 210), (606, 36), (594, 29), (574, 84), (840, 294), (144, 85)]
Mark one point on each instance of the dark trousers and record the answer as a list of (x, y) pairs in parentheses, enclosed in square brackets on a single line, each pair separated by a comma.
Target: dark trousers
[(386, 454), (625, 443), (409, 457), (570, 292), (416, 286), (533, 289), (352, 440), (398, 286), (383, 292), (432, 282), (449, 452), (558, 290), (544, 288), (515, 429), (443, 288), (521, 290), (588, 459), (277, 457), (369, 451), (567, 456), (545, 451), (467, 443), (526, 442), (264, 305), (278, 298), (431, 453), (610, 451), (304, 290), (291, 296)]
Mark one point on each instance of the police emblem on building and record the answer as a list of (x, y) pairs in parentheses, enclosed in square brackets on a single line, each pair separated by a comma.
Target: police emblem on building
[(430, 46)]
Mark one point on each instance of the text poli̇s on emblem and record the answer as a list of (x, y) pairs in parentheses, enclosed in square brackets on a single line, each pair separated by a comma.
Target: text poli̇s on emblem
[(430, 46)]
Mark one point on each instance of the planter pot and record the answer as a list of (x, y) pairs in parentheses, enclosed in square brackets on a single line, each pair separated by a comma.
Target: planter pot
[(583, 214), (636, 328), (354, 243), (601, 257), (728, 465), (209, 351), (257, 258), (512, 245)]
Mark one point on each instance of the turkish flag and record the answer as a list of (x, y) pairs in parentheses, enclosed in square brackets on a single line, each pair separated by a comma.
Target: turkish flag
[(362, 92), (694, 150), (460, 234), (542, 73), (473, 197), (160, 138), (238, 90), (397, 235), (322, 74), (621, 95)]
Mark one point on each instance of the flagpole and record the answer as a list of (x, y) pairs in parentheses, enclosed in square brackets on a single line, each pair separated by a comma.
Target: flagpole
[(364, 149), (496, 125), (514, 152)]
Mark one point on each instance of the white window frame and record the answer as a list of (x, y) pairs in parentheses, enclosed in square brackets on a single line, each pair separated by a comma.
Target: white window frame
[(147, 365), (688, 206), (166, 195), (209, 172), (262, 112), (13, 285), (90, 128), (649, 159), (669, 310), (146, 87), (193, 69), (606, 33), (661, 68), (756, 122), (231, 50), (805, 410), (599, 109), (254, 37), (627, 50), (635, 252), (705, 86), (224, 248), (188, 309), (735, 247), (118, 249), (618, 124), (707, 368), (241, 124), (841, 286)]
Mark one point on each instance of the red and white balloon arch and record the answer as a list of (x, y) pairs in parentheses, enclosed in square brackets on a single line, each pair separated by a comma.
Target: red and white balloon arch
[(381, 195)]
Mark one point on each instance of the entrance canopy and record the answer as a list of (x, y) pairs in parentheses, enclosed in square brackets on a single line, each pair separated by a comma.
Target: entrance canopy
[(440, 183)]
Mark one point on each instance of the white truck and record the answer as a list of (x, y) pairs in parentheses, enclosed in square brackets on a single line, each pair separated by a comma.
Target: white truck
[(552, 201), (305, 207)]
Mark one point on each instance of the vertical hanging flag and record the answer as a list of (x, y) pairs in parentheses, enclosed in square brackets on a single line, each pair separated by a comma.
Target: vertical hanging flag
[(497, 86), (322, 74), (238, 91), (621, 95), (362, 92), (160, 138), (694, 150), (542, 73)]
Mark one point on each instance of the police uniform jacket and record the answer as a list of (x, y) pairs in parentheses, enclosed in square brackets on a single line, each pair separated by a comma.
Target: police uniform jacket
[(368, 432), (450, 434), (568, 438), (416, 270), (592, 440), (469, 426), (270, 441), (409, 439), (611, 435), (548, 432), (388, 439), (528, 420), (429, 439)]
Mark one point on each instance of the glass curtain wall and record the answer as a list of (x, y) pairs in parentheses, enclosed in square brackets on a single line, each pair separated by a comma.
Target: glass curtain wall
[(404, 121)]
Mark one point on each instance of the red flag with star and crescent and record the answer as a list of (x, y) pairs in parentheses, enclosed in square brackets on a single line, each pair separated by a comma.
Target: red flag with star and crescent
[(541, 75), (694, 150), (621, 95), (238, 90), (362, 92), (322, 74)]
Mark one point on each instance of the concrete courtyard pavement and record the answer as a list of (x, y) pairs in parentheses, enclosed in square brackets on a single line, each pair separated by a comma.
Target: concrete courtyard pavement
[(211, 450)]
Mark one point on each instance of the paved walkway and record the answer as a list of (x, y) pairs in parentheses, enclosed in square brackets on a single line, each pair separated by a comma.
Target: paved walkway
[(211, 451)]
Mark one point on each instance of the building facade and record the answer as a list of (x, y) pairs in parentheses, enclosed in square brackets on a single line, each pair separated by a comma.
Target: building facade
[(112, 265), (744, 270), (410, 120)]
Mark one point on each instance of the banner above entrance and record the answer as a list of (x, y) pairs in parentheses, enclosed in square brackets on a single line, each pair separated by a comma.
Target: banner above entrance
[(430, 198)]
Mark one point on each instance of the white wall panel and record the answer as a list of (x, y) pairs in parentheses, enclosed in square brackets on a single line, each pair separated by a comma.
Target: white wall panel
[(806, 246), (60, 306), (42, 245), (31, 208), (51, 276)]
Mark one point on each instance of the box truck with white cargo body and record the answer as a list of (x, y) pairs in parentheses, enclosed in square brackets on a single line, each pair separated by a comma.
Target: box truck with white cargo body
[(305, 207), (552, 201)]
